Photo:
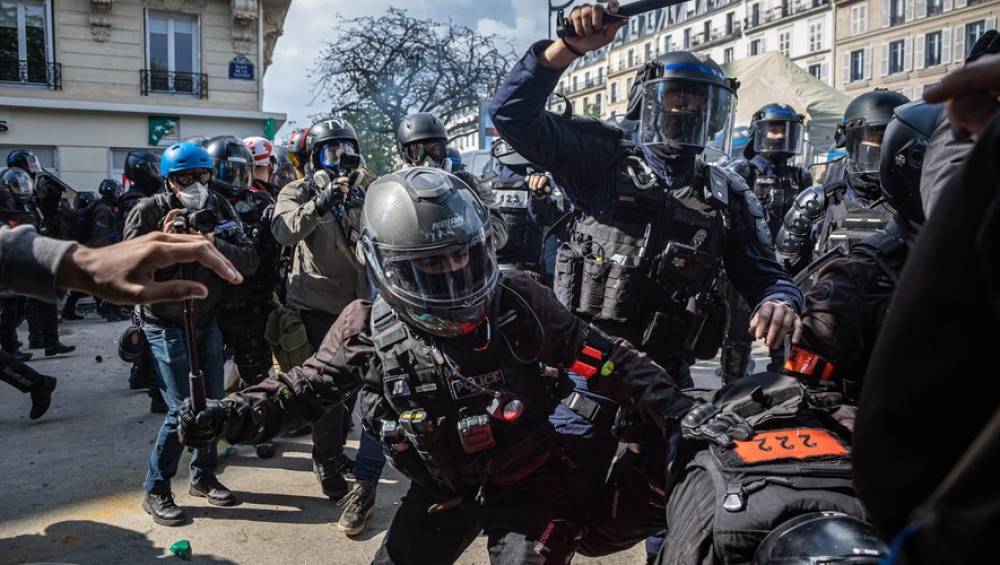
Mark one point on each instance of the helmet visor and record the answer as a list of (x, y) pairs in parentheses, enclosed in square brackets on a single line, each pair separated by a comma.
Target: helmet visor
[(431, 153), (686, 113), (17, 182), (34, 166), (778, 136), (329, 155), (864, 148), (233, 171)]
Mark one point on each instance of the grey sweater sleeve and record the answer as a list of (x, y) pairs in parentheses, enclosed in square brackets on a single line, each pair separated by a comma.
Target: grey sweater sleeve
[(28, 262)]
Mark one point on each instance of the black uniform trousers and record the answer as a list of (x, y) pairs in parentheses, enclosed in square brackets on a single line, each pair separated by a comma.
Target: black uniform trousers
[(43, 323), (12, 312), (243, 336), (329, 431)]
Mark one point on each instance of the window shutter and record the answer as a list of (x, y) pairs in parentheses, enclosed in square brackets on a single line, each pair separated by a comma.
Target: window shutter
[(908, 11), (885, 13), (946, 46), (908, 54), (961, 4), (824, 72), (847, 68), (946, 5), (918, 50), (885, 59), (991, 23), (959, 53), (921, 8), (868, 63), (864, 18)]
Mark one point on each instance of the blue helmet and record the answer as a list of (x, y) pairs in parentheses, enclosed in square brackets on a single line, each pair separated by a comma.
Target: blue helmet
[(184, 156)]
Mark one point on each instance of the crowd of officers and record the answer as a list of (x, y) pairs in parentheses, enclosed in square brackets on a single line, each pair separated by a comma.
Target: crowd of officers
[(519, 344)]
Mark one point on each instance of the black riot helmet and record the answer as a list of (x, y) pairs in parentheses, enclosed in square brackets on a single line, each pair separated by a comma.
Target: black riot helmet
[(284, 171), (505, 154), (25, 160), (776, 130), (109, 190), (428, 247), (683, 102), (821, 538), (328, 139), (422, 140), (18, 183), (860, 133), (85, 198), (903, 148), (232, 171), (142, 169)]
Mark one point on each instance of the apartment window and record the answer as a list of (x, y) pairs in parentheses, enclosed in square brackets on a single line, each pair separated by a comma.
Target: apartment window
[(896, 55), (815, 35), (816, 70), (597, 102), (730, 23), (755, 15), (173, 54), (973, 31), (756, 47), (708, 30), (727, 55), (897, 12), (857, 65), (649, 52), (631, 58), (574, 85), (859, 19), (600, 75), (935, 7), (687, 38), (785, 43), (614, 92), (667, 40), (25, 50), (932, 49), (786, 8)]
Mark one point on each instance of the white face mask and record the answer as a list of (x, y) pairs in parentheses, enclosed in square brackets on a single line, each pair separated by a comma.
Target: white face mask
[(193, 197)]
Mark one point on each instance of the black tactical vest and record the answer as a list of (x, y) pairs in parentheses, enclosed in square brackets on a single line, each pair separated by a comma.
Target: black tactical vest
[(524, 236), (793, 465), (252, 207), (776, 194), (440, 410), (847, 224), (648, 269)]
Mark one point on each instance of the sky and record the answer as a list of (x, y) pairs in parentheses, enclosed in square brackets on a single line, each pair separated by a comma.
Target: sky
[(310, 23)]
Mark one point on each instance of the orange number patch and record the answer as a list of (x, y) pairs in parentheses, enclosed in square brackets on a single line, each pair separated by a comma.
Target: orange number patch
[(800, 443)]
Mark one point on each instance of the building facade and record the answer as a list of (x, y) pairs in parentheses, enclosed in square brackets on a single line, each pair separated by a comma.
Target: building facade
[(906, 45), (83, 82)]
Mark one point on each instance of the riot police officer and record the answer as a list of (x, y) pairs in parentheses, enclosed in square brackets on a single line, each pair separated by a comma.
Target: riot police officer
[(774, 139), (525, 198), (449, 359), (848, 303), (659, 224), (421, 140), (243, 312), (16, 190), (843, 210)]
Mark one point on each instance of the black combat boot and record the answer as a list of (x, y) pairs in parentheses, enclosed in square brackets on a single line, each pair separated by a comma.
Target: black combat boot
[(163, 510), (331, 479), (58, 349), (28, 380), (358, 506), (214, 491)]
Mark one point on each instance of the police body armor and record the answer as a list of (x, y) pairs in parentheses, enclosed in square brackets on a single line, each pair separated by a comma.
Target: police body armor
[(455, 425), (649, 269), (776, 193), (848, 224), (524, 242), (794, 464), (254, 208)]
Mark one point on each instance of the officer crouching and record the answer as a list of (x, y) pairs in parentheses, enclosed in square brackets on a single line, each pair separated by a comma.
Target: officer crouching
[(449, 361)]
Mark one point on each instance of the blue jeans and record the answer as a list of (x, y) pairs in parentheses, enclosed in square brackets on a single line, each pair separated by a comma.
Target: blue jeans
[(370, 460), (170, 360)]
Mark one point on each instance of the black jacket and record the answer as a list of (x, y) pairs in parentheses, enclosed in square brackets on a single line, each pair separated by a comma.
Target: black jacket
[(148, 215)]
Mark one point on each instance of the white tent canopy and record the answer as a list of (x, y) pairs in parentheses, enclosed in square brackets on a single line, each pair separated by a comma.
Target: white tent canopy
[(772, 77)]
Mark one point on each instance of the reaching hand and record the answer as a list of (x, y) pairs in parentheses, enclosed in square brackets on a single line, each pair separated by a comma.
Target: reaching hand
[(539, 185), (706, 422), (123, 273), (203, 428), (772, 321)]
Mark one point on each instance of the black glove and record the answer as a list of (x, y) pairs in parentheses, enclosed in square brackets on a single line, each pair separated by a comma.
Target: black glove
[(706, 422), (328, 198), (200, 430)]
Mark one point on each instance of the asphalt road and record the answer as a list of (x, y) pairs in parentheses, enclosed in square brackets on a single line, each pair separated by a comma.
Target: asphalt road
[(71, 483)]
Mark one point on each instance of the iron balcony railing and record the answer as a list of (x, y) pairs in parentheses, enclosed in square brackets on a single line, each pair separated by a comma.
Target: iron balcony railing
[(169, 82), (37, 73)]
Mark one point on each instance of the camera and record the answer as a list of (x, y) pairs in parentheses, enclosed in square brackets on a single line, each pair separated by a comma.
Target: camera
[(195, 221)]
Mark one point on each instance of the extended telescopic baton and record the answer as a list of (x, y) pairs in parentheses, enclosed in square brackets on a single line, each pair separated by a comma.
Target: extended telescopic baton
[(196, 380), (565, 29)]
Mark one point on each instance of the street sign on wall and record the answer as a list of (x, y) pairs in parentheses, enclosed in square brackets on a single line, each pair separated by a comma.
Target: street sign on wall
[(241, 68)]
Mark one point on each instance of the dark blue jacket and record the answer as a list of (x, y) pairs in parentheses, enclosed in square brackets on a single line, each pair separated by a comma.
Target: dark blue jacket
[(581, 161)]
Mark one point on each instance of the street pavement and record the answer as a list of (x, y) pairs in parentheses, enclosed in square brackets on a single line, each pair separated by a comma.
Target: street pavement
[(71, 483)]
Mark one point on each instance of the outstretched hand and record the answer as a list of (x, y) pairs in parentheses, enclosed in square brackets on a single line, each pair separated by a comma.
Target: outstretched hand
[(774, 320), (123, 273)]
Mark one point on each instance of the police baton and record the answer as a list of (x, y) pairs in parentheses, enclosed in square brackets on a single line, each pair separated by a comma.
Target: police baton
[(565, 29), (196, 380)]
